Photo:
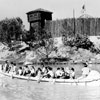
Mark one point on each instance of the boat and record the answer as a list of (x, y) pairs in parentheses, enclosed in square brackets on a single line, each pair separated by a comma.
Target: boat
[(82, 82)]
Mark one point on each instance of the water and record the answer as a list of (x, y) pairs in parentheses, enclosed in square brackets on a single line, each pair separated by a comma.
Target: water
[(14, 89)]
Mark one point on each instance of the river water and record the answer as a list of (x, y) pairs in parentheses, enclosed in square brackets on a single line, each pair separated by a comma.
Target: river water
[(16, 89)]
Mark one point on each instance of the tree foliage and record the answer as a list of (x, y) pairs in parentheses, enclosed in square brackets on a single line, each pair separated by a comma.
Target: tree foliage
[(46, 48), (10, 29), (43, 47), (79, 41)]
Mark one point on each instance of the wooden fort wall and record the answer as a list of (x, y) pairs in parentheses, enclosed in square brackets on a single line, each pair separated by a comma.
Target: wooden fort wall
[(85, 26)]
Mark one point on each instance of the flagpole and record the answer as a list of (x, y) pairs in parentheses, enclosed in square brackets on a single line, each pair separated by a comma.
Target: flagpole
[(83, 14), (84, 9)]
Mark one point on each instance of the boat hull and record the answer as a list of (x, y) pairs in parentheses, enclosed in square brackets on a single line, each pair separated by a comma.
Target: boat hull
[(92, 82)]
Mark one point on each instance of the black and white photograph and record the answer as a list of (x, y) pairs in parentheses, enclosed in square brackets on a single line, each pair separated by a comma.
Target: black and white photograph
[(49, 49)]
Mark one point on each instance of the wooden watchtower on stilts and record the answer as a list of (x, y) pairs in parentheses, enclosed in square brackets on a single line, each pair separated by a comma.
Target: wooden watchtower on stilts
[(37, 19)]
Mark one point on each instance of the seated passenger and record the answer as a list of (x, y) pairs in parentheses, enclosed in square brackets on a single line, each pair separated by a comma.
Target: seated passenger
[(44, 71), (72, 73), (1, 67), (20, 71), (67, 73), (6, 66), (62, 72), (10, 69), (14, 68), (58, 73), (39, 72), (67, 70), (50, 73), (32, 71), (26, 71)]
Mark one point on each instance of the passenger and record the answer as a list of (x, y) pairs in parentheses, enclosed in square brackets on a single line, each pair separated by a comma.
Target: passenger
[(1, 67), (43, 68), (72, 73), (14, 68), (62, 72), (44, 71), (39, 75), (32, 71), (20, 71), (67, 70), (67, 73), (58, 73), (26, 71), (39, 72), (6, 66), (85, 72), (50, 73), (10, 69)]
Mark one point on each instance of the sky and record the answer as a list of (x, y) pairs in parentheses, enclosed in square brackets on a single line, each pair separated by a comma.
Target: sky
[(61, 8)]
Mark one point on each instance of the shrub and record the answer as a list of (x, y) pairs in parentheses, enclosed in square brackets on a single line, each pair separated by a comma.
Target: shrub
[(79, 41)]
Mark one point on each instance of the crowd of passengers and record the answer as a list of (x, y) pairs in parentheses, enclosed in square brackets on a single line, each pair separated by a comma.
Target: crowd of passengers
[(44, 71)]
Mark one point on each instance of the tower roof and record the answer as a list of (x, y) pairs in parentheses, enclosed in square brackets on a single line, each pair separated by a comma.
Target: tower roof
[(39, 10)]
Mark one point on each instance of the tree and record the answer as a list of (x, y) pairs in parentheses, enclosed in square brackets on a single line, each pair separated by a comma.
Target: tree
[(42, 47), (10, 29), (46, 47), (79, 41)]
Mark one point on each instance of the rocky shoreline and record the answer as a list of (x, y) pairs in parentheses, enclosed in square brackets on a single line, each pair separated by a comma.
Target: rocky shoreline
[(75, 56)]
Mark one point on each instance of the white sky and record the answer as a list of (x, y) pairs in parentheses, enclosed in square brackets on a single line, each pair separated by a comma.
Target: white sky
[(60, 8)]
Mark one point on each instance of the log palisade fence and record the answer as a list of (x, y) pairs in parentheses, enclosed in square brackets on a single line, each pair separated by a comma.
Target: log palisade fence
[(85, 26)]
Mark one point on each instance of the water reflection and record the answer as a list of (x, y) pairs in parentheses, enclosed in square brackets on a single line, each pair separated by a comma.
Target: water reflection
[(26, 90)]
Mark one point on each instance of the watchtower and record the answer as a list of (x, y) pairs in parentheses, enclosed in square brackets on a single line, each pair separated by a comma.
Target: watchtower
[(37, 19)]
